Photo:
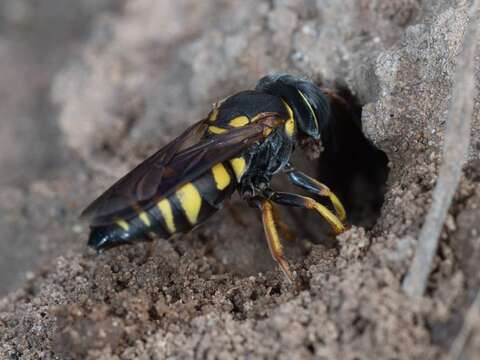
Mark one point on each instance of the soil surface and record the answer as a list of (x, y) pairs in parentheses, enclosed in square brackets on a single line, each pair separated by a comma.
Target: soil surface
[(133, 76)]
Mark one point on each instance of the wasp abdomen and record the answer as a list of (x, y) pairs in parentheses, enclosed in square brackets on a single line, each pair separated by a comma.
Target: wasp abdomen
[(190, 205)]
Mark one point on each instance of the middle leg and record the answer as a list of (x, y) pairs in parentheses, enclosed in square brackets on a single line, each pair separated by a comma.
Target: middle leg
[(282, 226), (308, 183), (308, 203)]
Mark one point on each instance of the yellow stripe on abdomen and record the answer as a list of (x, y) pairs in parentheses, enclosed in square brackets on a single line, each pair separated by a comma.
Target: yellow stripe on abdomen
[(145, 219), (123, 224), (190, 201), (166, 210), (239, 166), (221, 176)]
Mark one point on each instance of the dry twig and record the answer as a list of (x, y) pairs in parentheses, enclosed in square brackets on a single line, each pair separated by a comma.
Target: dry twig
[(457, 140)]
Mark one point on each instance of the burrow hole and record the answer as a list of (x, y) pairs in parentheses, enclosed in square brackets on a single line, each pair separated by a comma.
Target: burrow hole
[(351, 166)]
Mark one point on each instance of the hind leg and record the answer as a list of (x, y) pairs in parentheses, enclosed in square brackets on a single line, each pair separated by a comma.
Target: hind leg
[(273, 239)]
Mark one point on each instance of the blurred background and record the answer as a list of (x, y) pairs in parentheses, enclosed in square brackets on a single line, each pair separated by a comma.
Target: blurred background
[(37, 39)]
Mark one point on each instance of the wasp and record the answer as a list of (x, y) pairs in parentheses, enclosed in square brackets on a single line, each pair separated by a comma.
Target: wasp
[(244, 141)]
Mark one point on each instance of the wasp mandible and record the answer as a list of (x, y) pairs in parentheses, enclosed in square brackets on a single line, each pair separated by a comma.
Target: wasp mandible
[(245, 140)]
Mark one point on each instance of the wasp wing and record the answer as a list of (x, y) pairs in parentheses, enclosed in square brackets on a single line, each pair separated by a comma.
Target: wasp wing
[(166, 170), (152, 167)]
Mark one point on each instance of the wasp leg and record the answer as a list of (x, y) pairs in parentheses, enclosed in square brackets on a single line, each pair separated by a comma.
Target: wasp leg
[(273, 239), (308, 203), (310, 184), (284, 230)]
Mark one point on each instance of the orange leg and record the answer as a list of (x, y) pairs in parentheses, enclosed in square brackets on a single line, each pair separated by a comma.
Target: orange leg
[(308, 203), (310, 184), (273, 239), (284, 230)]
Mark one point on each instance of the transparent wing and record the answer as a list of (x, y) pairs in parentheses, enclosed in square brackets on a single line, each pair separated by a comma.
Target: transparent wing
[(167, 169)]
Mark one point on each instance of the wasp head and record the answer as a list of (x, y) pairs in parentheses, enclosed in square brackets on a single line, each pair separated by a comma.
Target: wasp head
[(310, 105)]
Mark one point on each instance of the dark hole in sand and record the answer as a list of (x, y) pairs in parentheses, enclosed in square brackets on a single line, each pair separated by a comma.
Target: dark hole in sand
[(351, 166), (354, 168)]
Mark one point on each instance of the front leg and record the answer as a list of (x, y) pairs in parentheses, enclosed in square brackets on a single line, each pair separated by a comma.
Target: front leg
[(308, 183)]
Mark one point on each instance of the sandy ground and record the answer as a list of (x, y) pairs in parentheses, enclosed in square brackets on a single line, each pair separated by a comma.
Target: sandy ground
[(134, 79)]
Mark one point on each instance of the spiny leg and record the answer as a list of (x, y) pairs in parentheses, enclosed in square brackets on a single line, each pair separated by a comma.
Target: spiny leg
[(282, 226), (273, 239), (308, 183), (308, 203)]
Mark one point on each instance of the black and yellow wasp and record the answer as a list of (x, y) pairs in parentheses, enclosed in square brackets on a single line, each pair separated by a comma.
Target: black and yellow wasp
[(245, 140)]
